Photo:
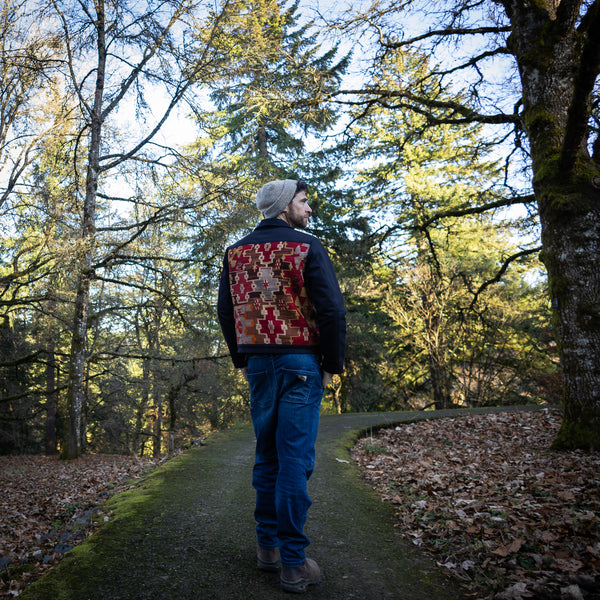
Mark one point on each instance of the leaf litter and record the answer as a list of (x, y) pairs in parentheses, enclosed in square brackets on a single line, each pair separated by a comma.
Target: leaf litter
[(486, 496), (49, 505)]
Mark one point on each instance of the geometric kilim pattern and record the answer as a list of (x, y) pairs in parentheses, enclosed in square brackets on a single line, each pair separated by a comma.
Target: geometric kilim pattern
[(269, 298)]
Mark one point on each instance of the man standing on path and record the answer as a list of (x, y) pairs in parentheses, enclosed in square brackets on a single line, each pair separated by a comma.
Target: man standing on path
[(284, 321)]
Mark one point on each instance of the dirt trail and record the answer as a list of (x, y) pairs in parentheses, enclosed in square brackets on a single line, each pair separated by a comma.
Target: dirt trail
[(187, 532)]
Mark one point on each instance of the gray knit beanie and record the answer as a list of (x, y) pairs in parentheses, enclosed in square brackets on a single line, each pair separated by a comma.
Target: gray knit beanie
[(273, 197)]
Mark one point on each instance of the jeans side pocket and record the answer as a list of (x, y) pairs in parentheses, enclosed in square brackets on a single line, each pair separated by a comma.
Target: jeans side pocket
[(298, 386)]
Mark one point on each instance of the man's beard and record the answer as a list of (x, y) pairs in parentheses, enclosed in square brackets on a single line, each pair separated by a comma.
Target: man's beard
[(297, 222)]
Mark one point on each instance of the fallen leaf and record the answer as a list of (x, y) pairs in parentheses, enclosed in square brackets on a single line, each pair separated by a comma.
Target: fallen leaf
[(518, 591)]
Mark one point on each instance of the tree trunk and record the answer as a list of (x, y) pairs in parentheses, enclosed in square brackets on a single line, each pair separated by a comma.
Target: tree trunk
[(548, 52), (157, 418), (436, 350), (141, 410), (439, 382), (51, 447), (263, 150), (72, 448), (173, 394), (571, 241), (75, 396), (434, 324), (336, 394)]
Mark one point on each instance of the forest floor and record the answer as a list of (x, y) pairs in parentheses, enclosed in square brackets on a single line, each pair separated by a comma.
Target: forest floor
[(49, 505), (494, 506), (482, 494)]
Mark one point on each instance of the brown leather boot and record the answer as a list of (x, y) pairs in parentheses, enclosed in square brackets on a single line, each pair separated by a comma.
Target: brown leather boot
[(268, 559), (297, 579)]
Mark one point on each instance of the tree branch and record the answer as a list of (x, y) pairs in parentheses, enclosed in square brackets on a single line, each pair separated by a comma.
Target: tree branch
[(106, 353), (445, 32), (501, 272), (160, 293), (156, 217), (178, 94), (475, 210), (589, 67), (415, 102), (23, 360), (473, 61)]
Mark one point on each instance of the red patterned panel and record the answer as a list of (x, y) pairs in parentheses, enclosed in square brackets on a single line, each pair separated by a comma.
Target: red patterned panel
[(270, 302)]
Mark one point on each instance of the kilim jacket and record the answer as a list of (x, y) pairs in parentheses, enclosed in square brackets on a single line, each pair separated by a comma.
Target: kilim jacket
[(279, 294)]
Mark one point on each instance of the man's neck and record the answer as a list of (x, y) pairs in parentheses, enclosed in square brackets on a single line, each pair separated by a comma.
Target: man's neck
[(283, 216)]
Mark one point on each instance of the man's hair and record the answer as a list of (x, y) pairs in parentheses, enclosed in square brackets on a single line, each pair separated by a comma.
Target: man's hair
[(301, 186)]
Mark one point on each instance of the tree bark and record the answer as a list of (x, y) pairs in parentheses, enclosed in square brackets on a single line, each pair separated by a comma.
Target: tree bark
[(173, 394), (434, 325), (550, 53), (158, 417), (436, 344), (438, 373), (571, 239), (138, 446), (51, 442), (75, 396)]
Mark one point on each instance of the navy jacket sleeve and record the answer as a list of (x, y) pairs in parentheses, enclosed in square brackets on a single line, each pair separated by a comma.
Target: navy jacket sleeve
[(325, 294), (226, 318)]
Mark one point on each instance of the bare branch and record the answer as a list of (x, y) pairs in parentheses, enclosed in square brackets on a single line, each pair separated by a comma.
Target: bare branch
[(22, 360), (473, 61), (475, 210), (141, 227), (149, 52), (414, 103), (65, 28), (158, 292), (445, 32), (102, 354), (176, 97), (502, 270)]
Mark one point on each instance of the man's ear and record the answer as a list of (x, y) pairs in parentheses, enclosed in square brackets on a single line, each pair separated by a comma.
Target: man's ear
[(284, 214)]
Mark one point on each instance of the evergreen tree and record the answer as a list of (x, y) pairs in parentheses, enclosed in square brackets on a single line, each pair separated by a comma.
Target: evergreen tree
[(270, 89)]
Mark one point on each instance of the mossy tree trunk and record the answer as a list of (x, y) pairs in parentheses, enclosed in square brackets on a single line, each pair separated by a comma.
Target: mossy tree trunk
[(559, 60), (51, 395)]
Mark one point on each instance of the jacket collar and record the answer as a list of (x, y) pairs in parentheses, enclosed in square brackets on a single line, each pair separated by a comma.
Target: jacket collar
[(274, 222)]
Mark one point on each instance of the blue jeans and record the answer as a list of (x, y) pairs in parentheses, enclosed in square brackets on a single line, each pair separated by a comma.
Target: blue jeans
[(285, 402)]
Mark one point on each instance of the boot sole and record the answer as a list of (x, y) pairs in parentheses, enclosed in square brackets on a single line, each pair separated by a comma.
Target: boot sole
[(298, 586)]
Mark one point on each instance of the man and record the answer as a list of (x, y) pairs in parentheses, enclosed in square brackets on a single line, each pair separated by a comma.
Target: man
[(283, 318)]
